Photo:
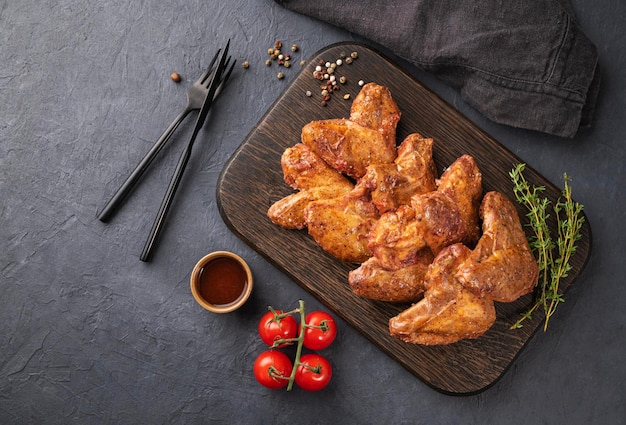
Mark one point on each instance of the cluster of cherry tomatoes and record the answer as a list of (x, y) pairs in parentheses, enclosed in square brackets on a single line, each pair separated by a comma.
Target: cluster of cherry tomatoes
[(278, 329)]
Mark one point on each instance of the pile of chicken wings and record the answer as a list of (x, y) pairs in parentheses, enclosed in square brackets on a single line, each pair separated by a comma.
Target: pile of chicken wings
[(435, 241)]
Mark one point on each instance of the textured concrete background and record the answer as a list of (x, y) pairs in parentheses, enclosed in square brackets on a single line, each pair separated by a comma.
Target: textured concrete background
[(89, 334)]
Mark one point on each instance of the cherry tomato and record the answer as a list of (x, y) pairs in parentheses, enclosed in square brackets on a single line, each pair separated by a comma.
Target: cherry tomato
[(313, 372), (272, 329), (323, 332), (272, 369)]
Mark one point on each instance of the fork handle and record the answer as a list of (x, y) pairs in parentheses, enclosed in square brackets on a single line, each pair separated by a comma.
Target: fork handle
[(167, 202), (130, 182)]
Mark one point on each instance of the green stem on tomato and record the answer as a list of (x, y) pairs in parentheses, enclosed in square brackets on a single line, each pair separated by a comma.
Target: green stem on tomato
[(275, 373), (300, 339), (282, 315)]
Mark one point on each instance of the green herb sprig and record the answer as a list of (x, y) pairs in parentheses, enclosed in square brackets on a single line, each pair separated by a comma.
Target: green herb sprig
[(553, 257)]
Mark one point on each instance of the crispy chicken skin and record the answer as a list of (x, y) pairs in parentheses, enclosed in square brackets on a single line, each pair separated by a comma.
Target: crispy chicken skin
[(306, 171), (347, 146), (371, 280), (367, 137), (288, 212), (462, 181), (448, 312), (374, 108), (433, 220), (341, 225), (431, 223), (502, 266), (412, 173)]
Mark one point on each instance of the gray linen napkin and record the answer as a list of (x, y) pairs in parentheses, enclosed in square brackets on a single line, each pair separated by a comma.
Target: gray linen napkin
[(526, 64)]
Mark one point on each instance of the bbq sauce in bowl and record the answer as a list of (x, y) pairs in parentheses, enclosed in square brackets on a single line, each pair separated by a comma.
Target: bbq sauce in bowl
[(221, 282)]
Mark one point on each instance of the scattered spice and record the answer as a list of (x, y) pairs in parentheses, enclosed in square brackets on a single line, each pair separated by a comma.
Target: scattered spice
[(282, 59), (327, 71), (175, 76)]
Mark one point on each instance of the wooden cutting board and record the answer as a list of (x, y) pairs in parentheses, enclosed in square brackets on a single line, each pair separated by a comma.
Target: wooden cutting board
[(252, 180)]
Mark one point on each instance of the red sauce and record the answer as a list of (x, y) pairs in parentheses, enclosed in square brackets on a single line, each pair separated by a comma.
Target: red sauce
[(222, 281)]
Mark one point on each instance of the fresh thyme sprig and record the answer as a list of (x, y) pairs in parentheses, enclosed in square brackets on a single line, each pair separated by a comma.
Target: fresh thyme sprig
[(552, 257)]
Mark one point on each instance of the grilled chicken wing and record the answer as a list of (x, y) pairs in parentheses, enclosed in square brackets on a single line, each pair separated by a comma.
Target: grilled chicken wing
[(434, 220), (448, 312), (306, 171), (502, 266), (371, 280), (412, 173), (288, 212), (374, 108), (367, 137), (462, 181), (346, 146), (341, 225)]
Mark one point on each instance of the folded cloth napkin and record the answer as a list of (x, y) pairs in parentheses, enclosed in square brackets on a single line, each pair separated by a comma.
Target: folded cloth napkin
[(526, 64)]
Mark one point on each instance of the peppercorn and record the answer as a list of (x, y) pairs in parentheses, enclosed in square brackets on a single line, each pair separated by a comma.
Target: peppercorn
[(175, 76), (280, 75), (346, 96), (245, 64), (294, 47), (354, 55), (343, 79), (268, 62)]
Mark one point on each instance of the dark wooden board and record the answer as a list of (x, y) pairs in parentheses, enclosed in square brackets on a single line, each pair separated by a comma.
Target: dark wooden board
[(252, 180)]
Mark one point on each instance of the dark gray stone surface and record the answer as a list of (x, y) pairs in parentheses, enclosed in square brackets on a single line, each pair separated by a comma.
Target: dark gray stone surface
[(89, 334)]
